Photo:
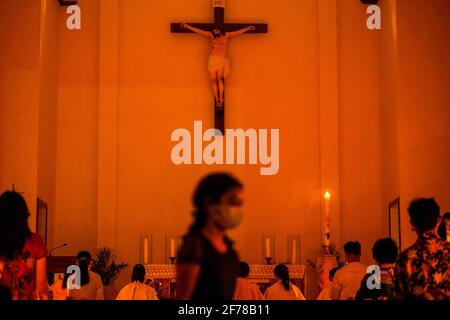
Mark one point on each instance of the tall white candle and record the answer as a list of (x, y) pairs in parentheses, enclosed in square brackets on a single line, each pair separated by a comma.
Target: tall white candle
[(145, 251), (172, 248), (327, 218), (294, 251), (268, 255)]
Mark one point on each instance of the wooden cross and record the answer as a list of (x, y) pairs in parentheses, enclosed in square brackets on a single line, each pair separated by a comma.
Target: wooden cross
[(219, 22), (14, 189)]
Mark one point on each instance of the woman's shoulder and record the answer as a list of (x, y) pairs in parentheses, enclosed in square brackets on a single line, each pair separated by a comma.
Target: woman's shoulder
[(194, 239), (192, 249), (95, 276), (295, 287), (35, 238), (274, 286), (36, 246)]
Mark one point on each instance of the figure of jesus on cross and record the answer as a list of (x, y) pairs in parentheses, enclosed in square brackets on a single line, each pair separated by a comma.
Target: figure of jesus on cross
[(218, 64)]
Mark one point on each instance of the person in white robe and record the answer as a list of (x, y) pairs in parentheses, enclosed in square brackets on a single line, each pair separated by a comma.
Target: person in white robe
[(245, 290), (137, 290), (347, 280), (325, 292), (283, 289)]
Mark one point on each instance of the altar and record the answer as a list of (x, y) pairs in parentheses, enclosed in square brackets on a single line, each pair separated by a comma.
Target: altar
[(163, 277)]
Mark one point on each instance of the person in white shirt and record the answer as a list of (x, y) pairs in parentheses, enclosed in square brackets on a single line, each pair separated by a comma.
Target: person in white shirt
[(57, 290), (91, 282), (245, 290), (325, 293), (347, 280), (137, 290), (283, 289)]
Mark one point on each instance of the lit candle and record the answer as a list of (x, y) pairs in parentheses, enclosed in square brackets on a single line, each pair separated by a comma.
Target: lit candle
[(327, 197), (268, 248), (172, 248), (294, 251), (327, 219), (145, 251)]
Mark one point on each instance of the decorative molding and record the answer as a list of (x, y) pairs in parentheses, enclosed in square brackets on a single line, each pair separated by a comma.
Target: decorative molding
[(259, 273)]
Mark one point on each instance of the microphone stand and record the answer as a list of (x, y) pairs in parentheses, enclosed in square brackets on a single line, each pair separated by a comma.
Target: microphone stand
[(56, 248)]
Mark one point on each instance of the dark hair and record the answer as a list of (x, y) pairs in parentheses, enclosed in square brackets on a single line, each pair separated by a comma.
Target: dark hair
[(14, 230), (66, 278), (424, 214), (244, 269), (84, 255), (209, 191), (138, 273), (332, 272), (84, 259), (385, 251), (222, 32), (282, 272), (442, 230), (353, 247), (83, 262)]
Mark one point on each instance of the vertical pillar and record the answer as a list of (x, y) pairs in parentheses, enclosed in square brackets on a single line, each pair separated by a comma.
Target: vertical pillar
[(329, 110), (328, 126), (108, 125)]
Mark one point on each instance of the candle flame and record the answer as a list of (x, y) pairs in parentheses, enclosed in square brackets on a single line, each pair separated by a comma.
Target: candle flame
[(327, 195)]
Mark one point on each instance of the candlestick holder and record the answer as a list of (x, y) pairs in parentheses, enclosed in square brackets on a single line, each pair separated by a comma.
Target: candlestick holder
[(172, 244), (268, 249), (146, 248), (293, 249)]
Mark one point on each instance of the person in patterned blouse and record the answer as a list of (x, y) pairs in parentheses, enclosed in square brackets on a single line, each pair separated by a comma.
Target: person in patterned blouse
[(385, 252), (423, 270)]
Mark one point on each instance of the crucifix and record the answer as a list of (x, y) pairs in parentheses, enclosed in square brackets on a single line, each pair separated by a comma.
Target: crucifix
[(218, 65), (14, 189)]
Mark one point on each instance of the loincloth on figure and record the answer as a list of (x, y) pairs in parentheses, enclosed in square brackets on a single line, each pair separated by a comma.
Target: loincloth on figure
[(216, 63)]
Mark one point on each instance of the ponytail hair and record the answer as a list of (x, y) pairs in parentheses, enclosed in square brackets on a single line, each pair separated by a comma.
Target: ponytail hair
[(83, 264), (209, 191), (84, 268), (84, 259), (281, 271)]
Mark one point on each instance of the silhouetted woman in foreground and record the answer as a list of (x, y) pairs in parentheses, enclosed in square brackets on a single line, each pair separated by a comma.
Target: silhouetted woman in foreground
[(207, 264)]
